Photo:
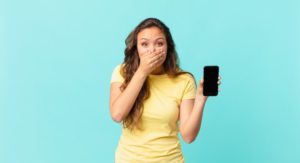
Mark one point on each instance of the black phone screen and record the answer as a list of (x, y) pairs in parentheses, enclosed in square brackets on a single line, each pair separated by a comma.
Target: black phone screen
[(211, 74)]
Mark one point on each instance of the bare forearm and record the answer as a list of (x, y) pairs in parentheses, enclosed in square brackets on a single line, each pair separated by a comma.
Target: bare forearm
[(123, 104), (192, 125)]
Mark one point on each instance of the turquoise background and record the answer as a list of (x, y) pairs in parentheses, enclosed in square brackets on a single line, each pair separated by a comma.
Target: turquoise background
[(56, 60)]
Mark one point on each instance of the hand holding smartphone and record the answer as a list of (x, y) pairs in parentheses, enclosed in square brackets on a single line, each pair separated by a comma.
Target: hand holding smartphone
[(210, 85)]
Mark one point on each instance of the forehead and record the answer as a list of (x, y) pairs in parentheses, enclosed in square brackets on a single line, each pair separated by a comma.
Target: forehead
[(150, 33)]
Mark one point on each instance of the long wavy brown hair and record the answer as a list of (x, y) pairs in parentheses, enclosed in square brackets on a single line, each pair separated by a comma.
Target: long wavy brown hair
[(131, 63)]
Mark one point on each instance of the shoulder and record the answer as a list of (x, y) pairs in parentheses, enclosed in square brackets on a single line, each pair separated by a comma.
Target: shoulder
[(183, 79), (117, 73), (187, 76), (119, 66), (118, 69)]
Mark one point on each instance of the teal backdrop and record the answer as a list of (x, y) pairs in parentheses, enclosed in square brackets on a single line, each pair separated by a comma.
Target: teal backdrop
[(56, 60)]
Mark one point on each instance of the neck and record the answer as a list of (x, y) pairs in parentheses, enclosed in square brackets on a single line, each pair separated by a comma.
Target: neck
[(158, 71)]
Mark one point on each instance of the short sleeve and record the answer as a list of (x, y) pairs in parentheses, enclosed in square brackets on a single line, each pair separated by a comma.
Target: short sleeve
[(190, 88), (116, 75)]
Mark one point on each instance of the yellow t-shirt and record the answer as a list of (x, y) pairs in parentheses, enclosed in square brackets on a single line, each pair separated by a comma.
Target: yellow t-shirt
[(158, 141)]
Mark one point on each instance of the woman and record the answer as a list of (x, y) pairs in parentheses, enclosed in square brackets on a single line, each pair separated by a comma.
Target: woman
[(153, 98)]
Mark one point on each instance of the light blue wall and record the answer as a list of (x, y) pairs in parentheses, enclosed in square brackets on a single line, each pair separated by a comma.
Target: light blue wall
[(56, 59)]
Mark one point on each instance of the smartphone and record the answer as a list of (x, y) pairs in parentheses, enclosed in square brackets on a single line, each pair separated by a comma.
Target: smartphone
[(211, 75)]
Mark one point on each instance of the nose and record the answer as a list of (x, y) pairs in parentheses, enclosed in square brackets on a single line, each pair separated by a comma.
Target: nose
[(152, 48)]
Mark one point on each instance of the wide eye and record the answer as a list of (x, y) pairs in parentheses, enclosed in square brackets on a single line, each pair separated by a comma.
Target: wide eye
[(144, 44), (160, 43)]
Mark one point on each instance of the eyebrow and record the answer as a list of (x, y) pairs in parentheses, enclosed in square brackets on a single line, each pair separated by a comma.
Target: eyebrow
[(155, 39)]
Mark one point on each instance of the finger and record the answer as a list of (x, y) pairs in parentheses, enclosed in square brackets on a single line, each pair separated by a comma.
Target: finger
[(157, 57), (151, 57), (162, 57), (201, 81), (152, 60), (161, 60), (219, 78), (219, 82), (219, 89), (157, 54), (146, 56)]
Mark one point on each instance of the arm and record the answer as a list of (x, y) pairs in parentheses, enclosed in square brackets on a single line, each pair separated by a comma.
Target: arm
[(191, 112), (122, 102)]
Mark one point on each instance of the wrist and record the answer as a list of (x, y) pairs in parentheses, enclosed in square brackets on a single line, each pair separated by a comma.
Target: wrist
[(201, 99), (141, 73)]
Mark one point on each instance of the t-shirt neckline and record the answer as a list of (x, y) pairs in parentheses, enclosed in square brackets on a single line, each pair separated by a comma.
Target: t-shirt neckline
[(158, 75)]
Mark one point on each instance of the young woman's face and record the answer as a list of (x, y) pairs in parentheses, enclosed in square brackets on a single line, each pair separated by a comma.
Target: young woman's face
[(150, 40)]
